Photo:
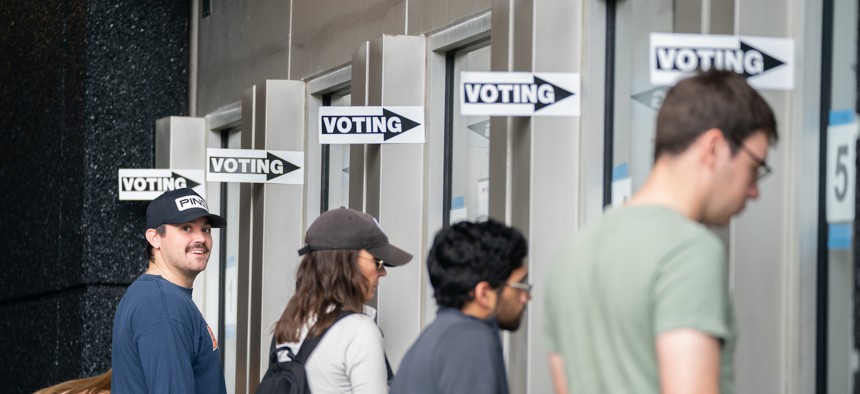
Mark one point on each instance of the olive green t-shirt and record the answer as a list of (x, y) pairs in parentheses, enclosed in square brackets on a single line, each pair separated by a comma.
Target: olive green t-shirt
[(636, 272)]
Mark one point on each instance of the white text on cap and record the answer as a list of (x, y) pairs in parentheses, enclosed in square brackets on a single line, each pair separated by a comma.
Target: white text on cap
[(188, 202)]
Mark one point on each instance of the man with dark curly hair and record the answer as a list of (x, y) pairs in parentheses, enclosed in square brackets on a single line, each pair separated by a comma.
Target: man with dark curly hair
[(479, 283)]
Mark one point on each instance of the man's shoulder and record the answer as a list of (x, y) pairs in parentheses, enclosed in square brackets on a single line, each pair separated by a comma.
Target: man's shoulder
[(627, 239), (143, 290), (652, 215), (450, 338), (454, 331), (645, 225), (146, 303)]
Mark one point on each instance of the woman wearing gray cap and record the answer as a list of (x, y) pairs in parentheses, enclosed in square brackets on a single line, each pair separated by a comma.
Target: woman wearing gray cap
[(345, 254)]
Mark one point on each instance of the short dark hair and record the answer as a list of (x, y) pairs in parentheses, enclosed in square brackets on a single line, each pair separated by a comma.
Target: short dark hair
[(468, 253), (160, 230), (714, 99)]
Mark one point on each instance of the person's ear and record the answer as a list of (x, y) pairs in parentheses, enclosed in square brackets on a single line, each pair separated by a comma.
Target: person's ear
[(485, 295), (153, 238), (712, 147)]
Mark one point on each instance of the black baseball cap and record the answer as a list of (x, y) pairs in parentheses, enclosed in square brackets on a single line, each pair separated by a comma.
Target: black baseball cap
[(345, 228), (179, 206)]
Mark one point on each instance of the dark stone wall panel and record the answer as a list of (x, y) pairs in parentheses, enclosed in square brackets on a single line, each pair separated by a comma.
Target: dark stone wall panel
[(83, 83), (58, 337), (42, 68), (36, 326), (89, 81), (137, 62)]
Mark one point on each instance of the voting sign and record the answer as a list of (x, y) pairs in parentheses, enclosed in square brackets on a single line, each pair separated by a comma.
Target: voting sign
[(149, 183), (519, 94), (766, 62), (255, 166), (371, 125)]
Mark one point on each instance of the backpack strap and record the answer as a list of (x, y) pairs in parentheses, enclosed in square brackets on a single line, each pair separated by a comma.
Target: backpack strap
[(273, 352), (388, 370), (310, 344)]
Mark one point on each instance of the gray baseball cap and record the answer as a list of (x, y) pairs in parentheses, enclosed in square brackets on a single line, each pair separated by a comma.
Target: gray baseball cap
[(345, 229)]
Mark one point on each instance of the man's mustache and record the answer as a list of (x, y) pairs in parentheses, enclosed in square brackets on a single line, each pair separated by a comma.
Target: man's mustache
[(198, 246)]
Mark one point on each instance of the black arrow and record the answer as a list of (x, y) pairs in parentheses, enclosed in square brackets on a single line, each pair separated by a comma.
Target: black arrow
[(652, 98), (559, 94), (481, 128), (406, 124), (288, 167), (769, 61), (191, 184)]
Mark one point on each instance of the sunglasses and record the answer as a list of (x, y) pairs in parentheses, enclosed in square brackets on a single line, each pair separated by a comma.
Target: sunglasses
[(380, 265)]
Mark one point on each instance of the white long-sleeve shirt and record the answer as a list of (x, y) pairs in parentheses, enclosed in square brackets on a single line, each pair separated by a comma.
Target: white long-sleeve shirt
[(349, 359)]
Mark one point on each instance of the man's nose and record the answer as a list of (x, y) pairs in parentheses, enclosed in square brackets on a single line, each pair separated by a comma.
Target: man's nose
[(753, 192), (199, 235)]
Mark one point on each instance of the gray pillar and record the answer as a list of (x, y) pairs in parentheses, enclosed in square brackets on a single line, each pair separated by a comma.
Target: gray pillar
[(394, 178)]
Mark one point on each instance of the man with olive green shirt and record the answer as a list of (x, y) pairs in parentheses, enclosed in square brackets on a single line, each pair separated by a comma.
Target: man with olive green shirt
[(638, 301)]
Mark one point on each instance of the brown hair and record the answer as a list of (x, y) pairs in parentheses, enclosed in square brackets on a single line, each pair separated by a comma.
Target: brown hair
[(325, 279), (714, 99), (92, 385)]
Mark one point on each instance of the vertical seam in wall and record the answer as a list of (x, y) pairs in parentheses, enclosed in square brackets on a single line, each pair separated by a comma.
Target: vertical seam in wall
[(792, 344), (792, 262), (510, 57), (192, 58), (737, 18), (290, 43)]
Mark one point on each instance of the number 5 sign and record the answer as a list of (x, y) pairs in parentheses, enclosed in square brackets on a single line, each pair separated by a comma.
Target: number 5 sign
[(841, 166)]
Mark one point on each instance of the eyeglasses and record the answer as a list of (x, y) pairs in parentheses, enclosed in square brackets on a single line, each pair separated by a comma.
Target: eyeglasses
[(526, 287), (763, 170)]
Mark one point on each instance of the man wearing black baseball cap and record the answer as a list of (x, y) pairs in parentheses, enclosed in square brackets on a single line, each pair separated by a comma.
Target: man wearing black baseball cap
[(161, 343)]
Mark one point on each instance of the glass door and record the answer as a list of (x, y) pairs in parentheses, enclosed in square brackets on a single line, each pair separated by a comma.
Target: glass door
[(334, 192), (228, 288), (467, 143)]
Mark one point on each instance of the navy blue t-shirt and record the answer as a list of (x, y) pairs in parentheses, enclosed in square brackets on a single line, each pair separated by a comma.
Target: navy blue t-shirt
[(456, 354), (162, 344)]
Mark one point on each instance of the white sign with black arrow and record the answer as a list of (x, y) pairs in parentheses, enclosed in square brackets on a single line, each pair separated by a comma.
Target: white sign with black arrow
[(652, 98), (149, 183), (255, 166), (371, 125), (519, 94), (766, 62)]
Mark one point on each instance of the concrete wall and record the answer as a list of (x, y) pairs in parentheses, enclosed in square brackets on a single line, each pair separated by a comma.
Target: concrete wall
[(242, 43), (83, 82)]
